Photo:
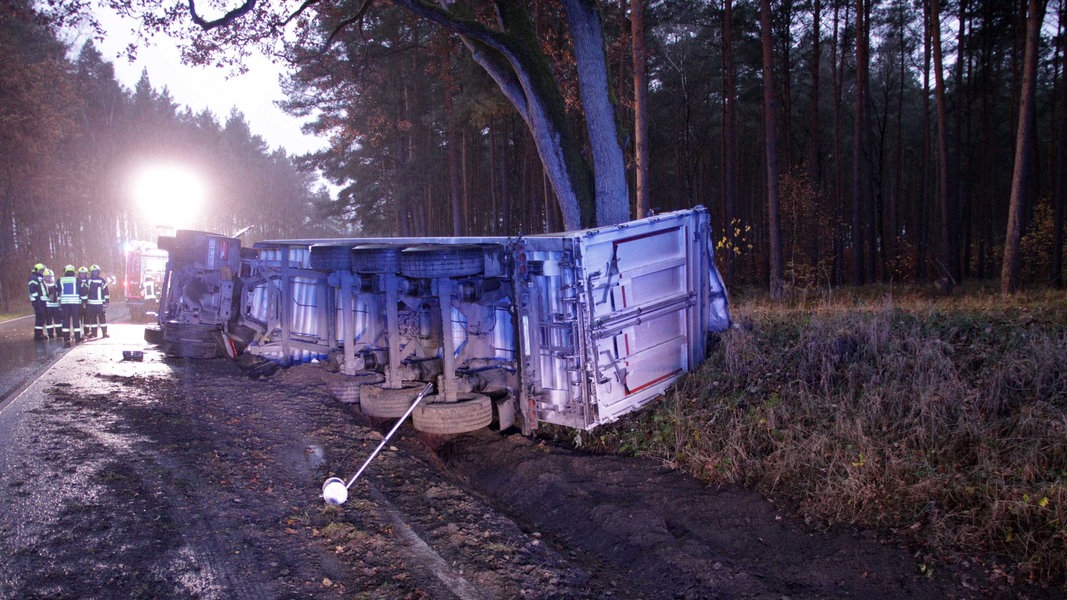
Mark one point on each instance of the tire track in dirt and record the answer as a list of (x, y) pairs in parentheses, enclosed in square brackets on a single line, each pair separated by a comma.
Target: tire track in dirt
[(423, 555), (665, 535), (215, 459), (195, 481)]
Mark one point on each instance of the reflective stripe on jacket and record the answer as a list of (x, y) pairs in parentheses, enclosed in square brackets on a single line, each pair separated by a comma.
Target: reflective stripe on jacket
[(51, 295), (97, 291), (70, 291)]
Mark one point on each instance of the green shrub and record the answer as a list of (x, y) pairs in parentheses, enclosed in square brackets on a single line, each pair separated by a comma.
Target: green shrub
[(943, 421)]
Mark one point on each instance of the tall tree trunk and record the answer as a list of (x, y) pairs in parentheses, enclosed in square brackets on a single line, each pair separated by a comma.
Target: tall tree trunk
[(609, 168), (922, 223), (1060, 192), (786, 114), (859, 174), (950, 274), (514, 60), (465, 183), (506, 176), (455, 188), (1021, 181), (494, 195), (814, 147), (897, 217), (837, 58), (774, 225), (962, 144), (637, 32), (729, 130)]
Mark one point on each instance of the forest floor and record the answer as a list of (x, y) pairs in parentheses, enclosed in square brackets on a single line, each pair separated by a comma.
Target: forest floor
[(201, 479)]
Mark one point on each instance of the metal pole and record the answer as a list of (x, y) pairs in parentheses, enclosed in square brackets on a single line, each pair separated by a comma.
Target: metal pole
[(330, 488)]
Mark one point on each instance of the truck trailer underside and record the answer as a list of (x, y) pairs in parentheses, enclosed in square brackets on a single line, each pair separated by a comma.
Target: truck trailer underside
[(575, 328)]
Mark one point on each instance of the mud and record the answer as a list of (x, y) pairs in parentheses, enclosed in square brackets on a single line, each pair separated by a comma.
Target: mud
[(201, 479)]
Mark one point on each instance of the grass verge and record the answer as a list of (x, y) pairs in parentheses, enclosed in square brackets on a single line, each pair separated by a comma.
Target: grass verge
[(943, 421)]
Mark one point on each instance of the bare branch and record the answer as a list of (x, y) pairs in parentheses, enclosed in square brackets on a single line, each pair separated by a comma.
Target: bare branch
[(346, 22), (471, 29), (222, 21), (306, 5)]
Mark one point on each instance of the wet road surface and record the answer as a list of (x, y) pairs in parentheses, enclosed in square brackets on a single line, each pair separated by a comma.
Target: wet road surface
[(23, 359)]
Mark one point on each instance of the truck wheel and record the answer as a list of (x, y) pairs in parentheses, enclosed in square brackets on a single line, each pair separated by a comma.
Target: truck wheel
[(191, 349), (189, 332), (190, 340), (153, 334), (437, 260), (324, 257), (471, 412), (347, 388), (386, 403), (375, 258)]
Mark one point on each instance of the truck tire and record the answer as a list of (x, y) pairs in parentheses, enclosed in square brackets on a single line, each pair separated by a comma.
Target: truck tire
[(324, 257), (347, 388), (174, 331), (190, 349), (375, 258), (386, 403), (471, 412), (438, 260), (153, 334), (190, 340), (168, 243)]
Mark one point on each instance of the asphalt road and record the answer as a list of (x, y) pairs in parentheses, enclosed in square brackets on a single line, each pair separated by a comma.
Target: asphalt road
[(23, 359)]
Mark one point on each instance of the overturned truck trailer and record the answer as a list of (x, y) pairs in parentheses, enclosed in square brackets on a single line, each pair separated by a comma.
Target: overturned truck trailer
[(574, 328)]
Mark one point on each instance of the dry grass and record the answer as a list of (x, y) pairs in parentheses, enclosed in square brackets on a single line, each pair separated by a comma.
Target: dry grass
[(941, 420)]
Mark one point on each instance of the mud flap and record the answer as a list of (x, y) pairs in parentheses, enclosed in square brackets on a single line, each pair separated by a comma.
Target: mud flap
[(226, 344), (153, 334), (505, 411)]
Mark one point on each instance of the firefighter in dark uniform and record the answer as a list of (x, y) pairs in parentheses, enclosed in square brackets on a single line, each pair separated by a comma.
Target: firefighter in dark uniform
[(71, 295), (53, 312), (35, 287), (83, 281), (99, 298)]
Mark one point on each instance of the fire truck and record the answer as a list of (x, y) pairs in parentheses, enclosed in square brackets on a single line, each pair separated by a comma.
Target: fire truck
[(143, 280)]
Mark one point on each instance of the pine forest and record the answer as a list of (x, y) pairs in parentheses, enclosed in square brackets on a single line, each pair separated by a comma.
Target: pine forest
[(892, 141)]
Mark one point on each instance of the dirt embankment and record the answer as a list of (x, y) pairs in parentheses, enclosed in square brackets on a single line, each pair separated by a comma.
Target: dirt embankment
[(194, 480)]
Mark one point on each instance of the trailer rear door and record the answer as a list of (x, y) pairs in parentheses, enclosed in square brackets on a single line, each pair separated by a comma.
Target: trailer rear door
[(645, 288)]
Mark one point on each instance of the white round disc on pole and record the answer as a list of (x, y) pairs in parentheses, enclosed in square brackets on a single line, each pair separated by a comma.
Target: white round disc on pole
[(334, 491)]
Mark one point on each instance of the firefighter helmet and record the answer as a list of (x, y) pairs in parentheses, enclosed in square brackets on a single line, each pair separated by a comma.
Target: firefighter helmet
[(94, 268), (46, 272), (37, 268), (68, 270), (83, 271)]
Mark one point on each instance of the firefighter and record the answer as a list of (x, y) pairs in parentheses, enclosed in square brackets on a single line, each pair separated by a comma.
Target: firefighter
[(83, 282), (35, 287), (71, 294), (148, 288), (53, 313), (99, 298)]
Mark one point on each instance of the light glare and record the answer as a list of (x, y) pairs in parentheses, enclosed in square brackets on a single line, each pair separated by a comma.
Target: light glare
[(169, 194)]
